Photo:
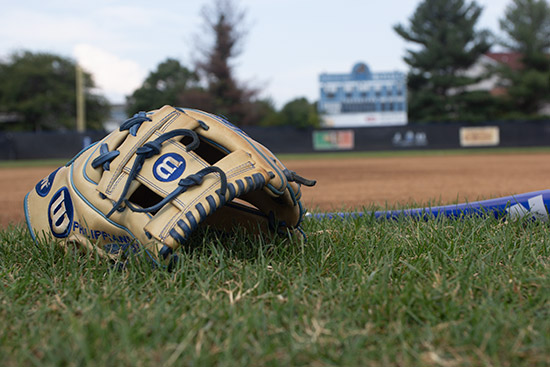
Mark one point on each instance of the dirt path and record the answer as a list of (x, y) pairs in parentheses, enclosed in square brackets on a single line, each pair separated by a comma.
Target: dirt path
[(355, 182), (14, 185)]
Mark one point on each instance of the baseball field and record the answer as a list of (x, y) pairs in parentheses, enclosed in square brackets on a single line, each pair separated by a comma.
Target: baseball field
[(470, 292), (356, 180)]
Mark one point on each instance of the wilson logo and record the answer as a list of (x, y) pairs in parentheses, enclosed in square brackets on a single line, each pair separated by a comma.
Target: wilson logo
[(45, 185), (169, 167), (60, 213)]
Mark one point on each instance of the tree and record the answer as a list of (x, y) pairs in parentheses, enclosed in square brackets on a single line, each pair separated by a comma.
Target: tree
[(40, 89), (267, 113), (526, 25), (447, 45), (163, 86), (224, 95), (300, 113)]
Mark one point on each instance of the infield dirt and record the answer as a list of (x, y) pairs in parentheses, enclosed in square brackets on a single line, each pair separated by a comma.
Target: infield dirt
[(351, 183)]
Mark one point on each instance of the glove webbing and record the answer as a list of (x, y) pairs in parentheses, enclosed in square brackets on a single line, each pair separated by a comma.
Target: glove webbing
[(148, 150)]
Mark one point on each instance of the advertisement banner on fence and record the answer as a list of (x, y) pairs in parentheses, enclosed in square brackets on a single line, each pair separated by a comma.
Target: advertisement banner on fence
[(333, 140), (482, 136)]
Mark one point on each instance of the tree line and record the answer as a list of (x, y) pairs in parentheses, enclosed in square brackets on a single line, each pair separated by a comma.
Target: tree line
[(447, 44), (37, 89)]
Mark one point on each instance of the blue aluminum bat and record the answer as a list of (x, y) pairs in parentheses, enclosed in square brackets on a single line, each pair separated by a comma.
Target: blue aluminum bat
[(534, 204)]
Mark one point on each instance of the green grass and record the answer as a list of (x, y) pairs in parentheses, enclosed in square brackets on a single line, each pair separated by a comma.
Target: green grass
[(34, 163), (363, 292)]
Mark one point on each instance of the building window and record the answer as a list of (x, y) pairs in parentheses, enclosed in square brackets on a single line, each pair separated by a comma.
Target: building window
[(358, 107)]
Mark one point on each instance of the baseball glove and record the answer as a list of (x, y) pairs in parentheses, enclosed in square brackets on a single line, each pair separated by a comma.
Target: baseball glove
[(150, 184)]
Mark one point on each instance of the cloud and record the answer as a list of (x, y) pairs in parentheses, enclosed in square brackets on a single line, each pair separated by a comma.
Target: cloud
[(115, 76), (32, 29)]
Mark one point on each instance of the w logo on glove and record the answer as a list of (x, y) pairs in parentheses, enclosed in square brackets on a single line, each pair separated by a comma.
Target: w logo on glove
[(60, 213), (169, 167)]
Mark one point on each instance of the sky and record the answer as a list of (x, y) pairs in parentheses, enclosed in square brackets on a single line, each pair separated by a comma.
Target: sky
[(288, 44)]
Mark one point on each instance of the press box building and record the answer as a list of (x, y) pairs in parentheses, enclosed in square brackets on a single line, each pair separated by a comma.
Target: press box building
[(363, 98)]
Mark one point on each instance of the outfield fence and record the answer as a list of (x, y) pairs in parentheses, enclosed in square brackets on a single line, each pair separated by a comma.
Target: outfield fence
[(47, 145)]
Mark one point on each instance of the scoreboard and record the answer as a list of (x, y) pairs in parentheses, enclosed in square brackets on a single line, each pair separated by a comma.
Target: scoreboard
[(363, 98)]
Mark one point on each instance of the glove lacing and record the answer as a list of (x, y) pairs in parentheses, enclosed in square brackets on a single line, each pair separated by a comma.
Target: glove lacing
[(149, 150), (153, 148)]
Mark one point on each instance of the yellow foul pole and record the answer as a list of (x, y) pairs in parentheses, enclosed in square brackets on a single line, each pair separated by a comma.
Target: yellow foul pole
[(80, 106)]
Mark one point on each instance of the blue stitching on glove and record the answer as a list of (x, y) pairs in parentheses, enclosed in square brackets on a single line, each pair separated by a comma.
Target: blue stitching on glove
[(192, 221), (292, 176), (134, 123), (186, 230), (253, 145), (259, 180), (232, 192), (240, 186), (203, 125), (202, 211), (212, 202), (250, 183), (105, 157), (165, 251), (183, 185), (148, 150)]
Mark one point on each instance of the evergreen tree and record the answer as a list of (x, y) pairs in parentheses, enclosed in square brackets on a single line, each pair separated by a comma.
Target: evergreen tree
[(526, 25), (40, 89), (447, 45)]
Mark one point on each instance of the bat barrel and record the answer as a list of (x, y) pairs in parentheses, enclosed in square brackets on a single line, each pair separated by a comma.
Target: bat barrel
[(534, 204)]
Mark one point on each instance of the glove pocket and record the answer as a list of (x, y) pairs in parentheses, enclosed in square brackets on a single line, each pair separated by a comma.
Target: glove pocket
[(202, 193)]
